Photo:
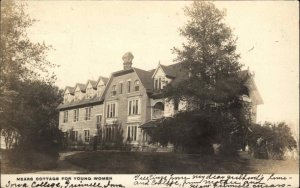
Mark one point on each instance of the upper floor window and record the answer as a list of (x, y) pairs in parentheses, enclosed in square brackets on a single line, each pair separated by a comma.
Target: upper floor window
[(76, 115), (121, 88), (111, 110), (113, 90), (137, 85), (156, 84), (77, 95), (88, 113), (98, 121), (100, 90), (65, 120), (129, 86), (158, 110), (66, 96), (133, 107), (159, 83), (89, 93), (176, 104)]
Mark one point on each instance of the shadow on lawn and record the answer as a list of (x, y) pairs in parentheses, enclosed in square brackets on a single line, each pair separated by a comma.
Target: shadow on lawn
[(162, 163)]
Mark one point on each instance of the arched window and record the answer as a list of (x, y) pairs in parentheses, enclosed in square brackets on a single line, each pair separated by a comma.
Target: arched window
[(137, 85), (158, 110)]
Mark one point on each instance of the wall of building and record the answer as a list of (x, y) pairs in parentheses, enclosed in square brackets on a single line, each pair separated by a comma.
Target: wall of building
[(81, 124), (122, 99)]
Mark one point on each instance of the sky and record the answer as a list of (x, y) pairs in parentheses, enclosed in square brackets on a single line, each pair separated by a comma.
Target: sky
[(90, 37)]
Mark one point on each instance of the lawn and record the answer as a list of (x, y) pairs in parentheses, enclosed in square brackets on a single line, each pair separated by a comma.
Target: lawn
[(146, 163)]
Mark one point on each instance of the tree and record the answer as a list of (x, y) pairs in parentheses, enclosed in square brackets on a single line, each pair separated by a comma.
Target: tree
[(271, 140), (215, 83), (20, 59), (28, 97)]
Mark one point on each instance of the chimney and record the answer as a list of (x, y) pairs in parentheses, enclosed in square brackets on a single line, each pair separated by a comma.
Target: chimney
[(127, 60)]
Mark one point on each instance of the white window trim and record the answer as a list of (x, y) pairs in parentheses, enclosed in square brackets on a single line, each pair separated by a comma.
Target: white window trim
[(76, 118), (88, 114), (89, 135), (132, 133), (128, 106), (65, 118), (110, 109), (101, 122)]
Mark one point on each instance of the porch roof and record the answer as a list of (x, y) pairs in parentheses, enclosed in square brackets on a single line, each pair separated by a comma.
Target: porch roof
[(149, 124)]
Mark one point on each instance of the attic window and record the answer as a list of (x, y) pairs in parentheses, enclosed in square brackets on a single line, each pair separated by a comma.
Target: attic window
[(136, 85), (100, 90), (159, 83), (113, 92)]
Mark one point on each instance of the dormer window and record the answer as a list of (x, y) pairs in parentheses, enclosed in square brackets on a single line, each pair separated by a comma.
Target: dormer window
[(113, 90), (89, 93), (100, 90), (137, 85), (158, 83), (66, 96), (77, 95)]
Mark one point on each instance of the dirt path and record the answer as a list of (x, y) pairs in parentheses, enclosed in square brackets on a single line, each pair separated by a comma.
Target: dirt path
[(64, 167)]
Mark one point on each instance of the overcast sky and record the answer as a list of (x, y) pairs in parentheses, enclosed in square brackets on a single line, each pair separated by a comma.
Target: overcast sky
[(90, 38)]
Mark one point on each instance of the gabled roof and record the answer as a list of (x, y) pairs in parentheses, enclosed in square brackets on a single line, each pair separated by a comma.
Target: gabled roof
[(145, 77), (93, 83), (169, 70), (104, 79), (83, 102), (71, 89), (81, 86)]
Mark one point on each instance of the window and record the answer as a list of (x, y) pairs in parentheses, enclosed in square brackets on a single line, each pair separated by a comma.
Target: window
[(133, 107), (159, 83), (110, 133), (76, 115), (100, 90), (88, 113), (131, 133), (66, 98), (74, 136), (145, 136), (65, 117), (86, 135), (176, 103), (111, 110), (89, 92), (77, 95), (156, 84), (128, 86), (113, 90), (98, 121), (136, 85), (121, 88)]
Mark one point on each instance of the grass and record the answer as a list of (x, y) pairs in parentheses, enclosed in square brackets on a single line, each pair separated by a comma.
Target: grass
[(162, 163), (16, 162)]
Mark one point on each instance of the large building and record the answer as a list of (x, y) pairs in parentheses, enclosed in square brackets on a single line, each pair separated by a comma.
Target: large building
[(124, 105)]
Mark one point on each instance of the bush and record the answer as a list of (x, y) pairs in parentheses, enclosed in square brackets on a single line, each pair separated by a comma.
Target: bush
[(271, 140), (196, 132)]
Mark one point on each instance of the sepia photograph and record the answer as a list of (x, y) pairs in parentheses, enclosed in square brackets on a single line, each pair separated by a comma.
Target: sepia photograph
[(150, 87)]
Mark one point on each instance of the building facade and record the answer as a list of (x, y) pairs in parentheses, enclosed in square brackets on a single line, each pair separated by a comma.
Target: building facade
[(123, 106)]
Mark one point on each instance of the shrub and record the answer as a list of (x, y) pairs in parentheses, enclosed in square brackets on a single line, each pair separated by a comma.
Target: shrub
[(196, 132), (271, 140)]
